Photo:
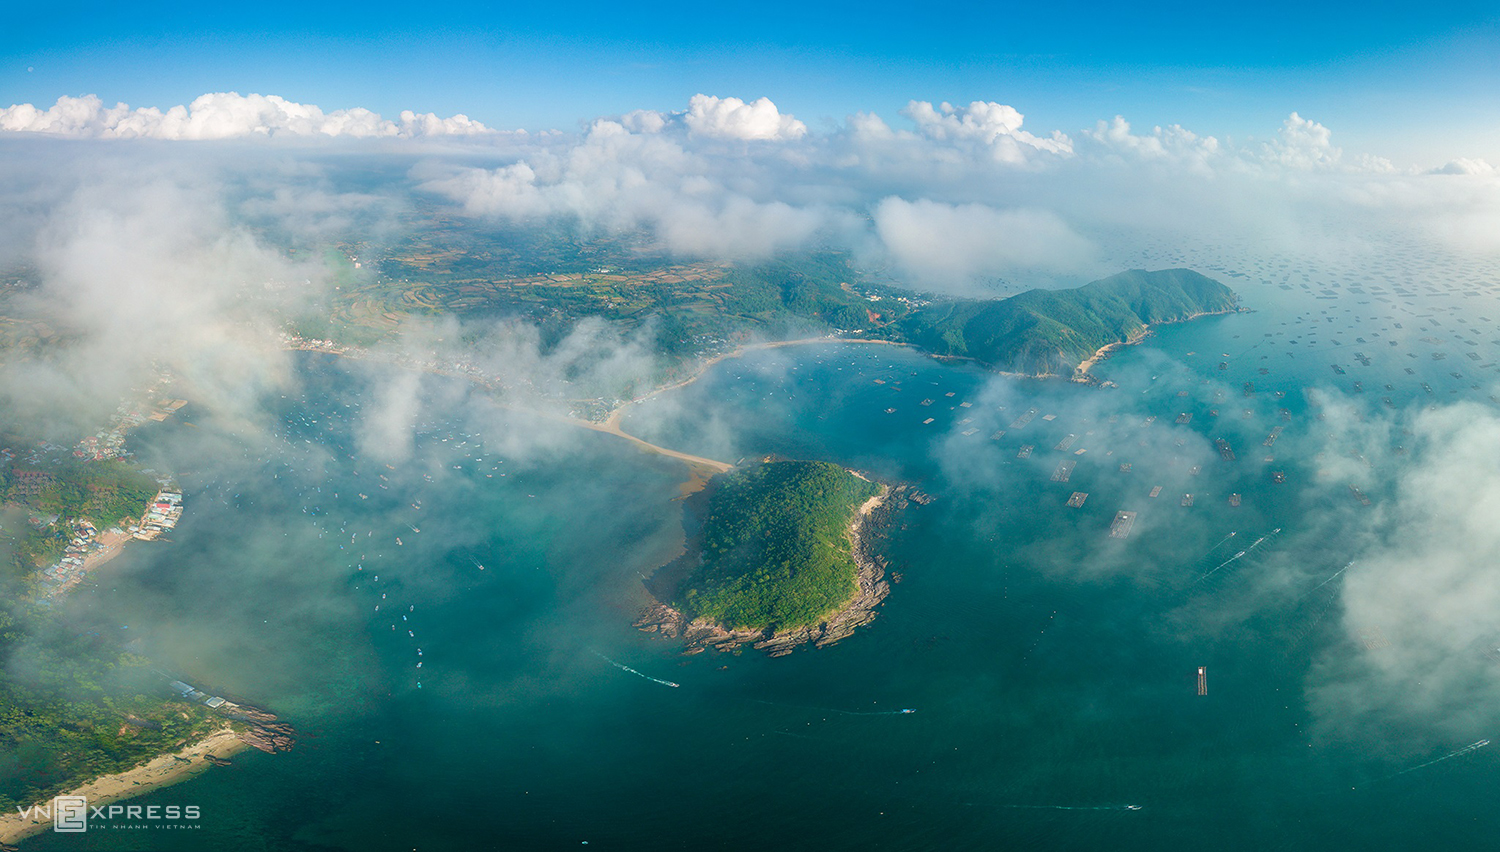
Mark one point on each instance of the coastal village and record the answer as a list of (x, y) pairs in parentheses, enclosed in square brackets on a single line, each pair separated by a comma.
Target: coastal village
[(87, 546)]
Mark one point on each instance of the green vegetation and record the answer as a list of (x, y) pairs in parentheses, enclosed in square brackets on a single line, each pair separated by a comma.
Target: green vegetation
[(555, 275), (1053, 331), (73, 705), (104, 492), (775, 549)]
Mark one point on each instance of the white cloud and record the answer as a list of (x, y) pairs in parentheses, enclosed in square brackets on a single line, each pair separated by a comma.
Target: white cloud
[(993, 125), (1425, 586), (950, 243), (1303, 144), (620, 180), (224, 115), (732, 118), (1464, 166), (1174, 143)]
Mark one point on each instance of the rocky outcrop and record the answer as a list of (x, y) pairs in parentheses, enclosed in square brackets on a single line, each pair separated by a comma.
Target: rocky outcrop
[(270, 737), (263, 731)]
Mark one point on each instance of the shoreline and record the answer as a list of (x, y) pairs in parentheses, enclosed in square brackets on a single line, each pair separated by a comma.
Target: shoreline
[(871, 590), (1081, 372), (110, 549), (702, 468), (161, 771), (739, 351)]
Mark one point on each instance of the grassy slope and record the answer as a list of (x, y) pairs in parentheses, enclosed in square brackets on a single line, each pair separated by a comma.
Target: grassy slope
[(1052, 331), (775, 546)]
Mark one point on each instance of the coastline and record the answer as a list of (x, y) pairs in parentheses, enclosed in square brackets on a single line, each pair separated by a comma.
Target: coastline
[(161, 771), (1081, 372), (871, 591), (110, 549), (737, 352), (702, 468)]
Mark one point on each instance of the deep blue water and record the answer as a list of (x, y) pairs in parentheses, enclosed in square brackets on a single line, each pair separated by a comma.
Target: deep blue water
[(1052, 669)]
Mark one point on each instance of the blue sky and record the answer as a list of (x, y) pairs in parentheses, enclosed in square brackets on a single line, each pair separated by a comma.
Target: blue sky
[(1416, 82)]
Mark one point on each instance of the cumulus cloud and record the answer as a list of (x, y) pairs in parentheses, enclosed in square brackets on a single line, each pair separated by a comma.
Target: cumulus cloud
[(1465, 166), (726, 178), (614, 178), (993, 125), (1174, 143), (224, 115), (732, 118), (1303, 144)]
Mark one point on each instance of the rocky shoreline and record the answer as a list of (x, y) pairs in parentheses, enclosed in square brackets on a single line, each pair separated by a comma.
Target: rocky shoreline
[(700, 634), (262, 730)]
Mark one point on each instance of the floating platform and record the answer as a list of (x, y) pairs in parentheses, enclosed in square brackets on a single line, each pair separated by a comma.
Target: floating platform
[(1203, 680), (1155, 491), (1120, 526), (1064, 471), (1076, 501), (1023, 419)]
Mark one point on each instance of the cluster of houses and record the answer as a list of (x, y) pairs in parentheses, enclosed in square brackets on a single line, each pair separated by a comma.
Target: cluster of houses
[(69, 570), (110, 443), (161, 515)]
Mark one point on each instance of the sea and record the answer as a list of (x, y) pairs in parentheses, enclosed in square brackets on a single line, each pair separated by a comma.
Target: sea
[(438, 593)]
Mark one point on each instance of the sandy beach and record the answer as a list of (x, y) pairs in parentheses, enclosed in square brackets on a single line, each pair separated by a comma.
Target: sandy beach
[(111, 544), (158, 772), (1081, 372)]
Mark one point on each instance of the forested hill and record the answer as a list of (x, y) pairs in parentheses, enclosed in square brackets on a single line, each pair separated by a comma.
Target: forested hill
[(1042, 332), (775, 551)]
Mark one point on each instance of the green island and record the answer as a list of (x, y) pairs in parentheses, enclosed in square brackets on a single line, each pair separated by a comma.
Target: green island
[(1052, 332), (776, 551)]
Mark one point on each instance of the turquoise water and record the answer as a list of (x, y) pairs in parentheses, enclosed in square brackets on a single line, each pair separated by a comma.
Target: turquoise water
[(1052, 669)]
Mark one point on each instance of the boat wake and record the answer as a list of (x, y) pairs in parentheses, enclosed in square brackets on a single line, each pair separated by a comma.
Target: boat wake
[(1468, 749), (1246, 552), (1221, 565), (1335, 576), (902, 712), (624, 668), (1077, 807)]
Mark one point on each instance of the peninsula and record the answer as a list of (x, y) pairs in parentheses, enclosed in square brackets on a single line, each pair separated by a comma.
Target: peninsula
[(1054, 332)]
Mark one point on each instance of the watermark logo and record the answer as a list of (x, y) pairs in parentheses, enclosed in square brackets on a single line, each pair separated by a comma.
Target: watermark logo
[(72, 815)]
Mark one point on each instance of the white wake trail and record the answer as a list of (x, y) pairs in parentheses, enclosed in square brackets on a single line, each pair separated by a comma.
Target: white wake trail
[(624, 668)]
